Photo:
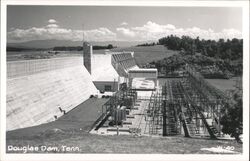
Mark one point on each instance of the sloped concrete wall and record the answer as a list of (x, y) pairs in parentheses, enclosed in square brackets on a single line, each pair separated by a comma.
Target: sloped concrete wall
[(35, 95)]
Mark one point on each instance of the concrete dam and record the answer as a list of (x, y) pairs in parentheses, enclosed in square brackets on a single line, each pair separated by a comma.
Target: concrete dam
[(39, 90), (42, 90)]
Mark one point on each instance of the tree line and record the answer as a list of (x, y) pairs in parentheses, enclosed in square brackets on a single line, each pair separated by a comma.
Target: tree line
[(19, 49), (147, 44), (224, 49), (80, 48), (58, 48)]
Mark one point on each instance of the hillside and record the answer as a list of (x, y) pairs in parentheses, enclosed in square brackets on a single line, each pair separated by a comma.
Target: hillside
[(209, 67), (53, 42), (146, 54)]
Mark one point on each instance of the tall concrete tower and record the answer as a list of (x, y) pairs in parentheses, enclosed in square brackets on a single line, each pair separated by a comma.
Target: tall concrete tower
[(87, 54)]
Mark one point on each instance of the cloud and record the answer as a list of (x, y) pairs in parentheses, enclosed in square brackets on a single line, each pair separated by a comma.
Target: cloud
[(53, 31), (154, 27), (154, 31), (232, 33), (52, 25), (126, 32), (124, 24), (100, 34), (148, 31), (52, 21)]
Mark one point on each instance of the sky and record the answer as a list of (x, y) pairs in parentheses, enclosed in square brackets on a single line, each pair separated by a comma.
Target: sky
[(121, 23)]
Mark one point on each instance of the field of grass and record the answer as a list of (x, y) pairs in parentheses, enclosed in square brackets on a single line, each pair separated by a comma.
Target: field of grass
[(146, 54), (91, 143), (223, 84)]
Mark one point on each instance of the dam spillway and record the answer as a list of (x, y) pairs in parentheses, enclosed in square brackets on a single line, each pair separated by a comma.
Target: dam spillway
[(38, 89)]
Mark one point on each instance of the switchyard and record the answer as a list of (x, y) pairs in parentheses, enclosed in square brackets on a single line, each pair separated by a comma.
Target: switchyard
[(187, 106)]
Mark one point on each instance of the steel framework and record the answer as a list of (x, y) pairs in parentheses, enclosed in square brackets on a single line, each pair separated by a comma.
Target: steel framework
[(189, 105), (120, 98)]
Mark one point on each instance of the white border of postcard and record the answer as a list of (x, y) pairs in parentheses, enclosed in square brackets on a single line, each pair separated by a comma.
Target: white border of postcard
[(146, 157)]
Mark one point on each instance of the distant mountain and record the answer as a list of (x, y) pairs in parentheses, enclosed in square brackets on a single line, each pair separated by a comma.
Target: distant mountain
[(46, 44)]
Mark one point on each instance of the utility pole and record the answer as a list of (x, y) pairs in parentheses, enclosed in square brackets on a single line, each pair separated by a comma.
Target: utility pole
[(164, 116), (83, 33), (164, 132)]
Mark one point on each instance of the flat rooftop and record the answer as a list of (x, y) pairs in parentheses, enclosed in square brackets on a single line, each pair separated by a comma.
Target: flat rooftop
[(143, 83), (143, 69)]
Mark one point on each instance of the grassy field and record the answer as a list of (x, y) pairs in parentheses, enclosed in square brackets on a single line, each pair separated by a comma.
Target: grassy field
[(146, 54), (91, 143), (223, 84)]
